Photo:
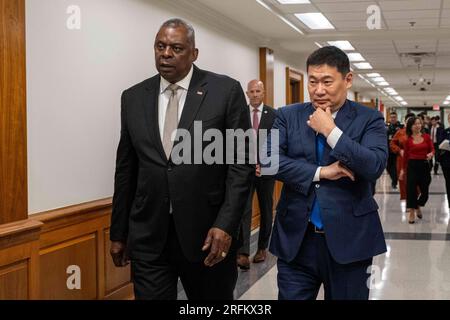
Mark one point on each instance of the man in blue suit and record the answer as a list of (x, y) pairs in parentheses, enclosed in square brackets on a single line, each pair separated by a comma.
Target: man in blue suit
[(331, 152)]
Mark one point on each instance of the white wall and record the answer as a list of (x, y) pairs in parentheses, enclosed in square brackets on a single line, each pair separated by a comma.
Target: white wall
[(74, 83)]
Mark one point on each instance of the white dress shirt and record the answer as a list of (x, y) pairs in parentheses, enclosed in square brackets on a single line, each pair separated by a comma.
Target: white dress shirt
[(332, 141), (260, 109), (164, 96)]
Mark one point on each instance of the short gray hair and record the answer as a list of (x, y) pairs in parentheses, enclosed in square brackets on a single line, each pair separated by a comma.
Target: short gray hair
[(177, 23)]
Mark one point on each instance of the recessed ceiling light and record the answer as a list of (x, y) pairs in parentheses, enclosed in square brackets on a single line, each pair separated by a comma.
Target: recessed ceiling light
[(383, 83), (446, 102), (355, 57), (342, 44), (398, 98), (293, 1), (373, 75), (314, 20), (363, 65), (404, 103)]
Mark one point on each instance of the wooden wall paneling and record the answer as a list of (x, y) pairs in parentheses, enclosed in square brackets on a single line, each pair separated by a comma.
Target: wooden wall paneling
[(13, 124), (266, 73), (19, 262), (14, 281), (55, 261), (79, 235)]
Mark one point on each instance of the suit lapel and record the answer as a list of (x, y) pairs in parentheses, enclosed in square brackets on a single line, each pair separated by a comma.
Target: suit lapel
[(264, 123), (150, 105), (196, 93), (309, 134)]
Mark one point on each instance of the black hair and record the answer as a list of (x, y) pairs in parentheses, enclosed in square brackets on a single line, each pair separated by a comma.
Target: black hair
[(410, 114), (410, 123), (331, 56)]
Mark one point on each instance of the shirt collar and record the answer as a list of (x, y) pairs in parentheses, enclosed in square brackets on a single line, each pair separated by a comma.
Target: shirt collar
[(183, 83), (260, 108)]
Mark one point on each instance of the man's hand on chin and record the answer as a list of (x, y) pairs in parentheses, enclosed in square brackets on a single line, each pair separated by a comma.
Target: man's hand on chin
[(336, 171), (322, 121)]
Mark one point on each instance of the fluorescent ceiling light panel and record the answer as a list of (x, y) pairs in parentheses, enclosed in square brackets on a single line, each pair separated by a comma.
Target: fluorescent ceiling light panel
[(399, 98), (318, 44), (293, 1), (363, 65), (342, 44), (448, 98), (383, 84), (404, 103), (373, 75), (446, 102), (314, 20), (355, 57), (378, 79)]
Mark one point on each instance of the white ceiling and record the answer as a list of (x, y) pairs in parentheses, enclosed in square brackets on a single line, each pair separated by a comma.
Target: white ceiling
[(384, 49)]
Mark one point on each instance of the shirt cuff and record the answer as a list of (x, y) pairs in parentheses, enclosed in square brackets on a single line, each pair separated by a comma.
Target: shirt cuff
[(334, 137), (317, 175)]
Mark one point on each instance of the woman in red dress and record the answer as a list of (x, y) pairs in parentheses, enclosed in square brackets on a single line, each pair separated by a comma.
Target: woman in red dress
[(418, 150)]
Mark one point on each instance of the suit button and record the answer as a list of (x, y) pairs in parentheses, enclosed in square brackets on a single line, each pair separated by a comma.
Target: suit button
[(317, 186)]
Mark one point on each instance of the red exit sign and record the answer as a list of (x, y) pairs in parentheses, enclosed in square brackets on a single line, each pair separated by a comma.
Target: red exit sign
[(436, 107)]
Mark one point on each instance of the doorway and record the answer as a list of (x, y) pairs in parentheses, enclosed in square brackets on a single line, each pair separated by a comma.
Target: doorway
[(294, 86)]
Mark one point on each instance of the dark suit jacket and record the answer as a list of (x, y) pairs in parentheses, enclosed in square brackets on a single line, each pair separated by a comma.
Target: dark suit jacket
[(202, 196), (267, 118), (352, 226)]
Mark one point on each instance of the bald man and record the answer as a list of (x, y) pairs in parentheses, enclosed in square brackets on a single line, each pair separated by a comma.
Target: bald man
[(261, 117)]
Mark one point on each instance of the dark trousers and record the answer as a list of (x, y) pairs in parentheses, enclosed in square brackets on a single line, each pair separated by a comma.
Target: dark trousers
[(264, 190), (418, 175), (157, 280), (301, 278), (436, 158), (392, 168), (446, 172)]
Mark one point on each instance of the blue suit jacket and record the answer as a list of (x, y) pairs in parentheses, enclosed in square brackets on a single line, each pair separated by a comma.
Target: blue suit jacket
[(349, 213)]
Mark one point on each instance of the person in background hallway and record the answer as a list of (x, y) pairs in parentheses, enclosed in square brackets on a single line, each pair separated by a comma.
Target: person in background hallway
[(392, 127), (437, 135), (418, 151), (331, 152), (445, 162), (178, 220), (397, 146), (262, 117), (425, 122)]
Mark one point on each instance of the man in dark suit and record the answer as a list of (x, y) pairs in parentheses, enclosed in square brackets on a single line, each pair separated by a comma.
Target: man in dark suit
[(179, 220), (437, 136), (261, 117), (331, 152)]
